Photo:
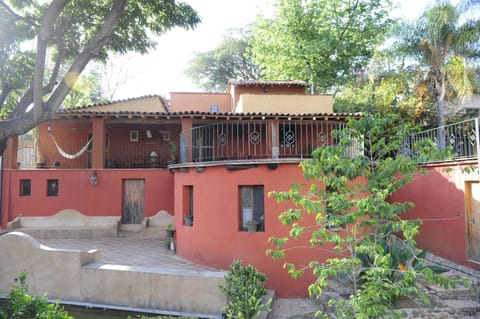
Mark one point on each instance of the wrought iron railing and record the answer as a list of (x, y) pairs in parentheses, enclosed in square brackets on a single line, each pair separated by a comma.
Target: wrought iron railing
[(461, 140), (255, 139)]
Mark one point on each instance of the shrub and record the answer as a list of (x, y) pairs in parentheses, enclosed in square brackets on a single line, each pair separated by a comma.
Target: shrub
[(244, 290), (21, 305)]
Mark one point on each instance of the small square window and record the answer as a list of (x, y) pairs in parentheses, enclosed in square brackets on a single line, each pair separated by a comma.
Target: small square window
[(133, 136), (252, 215), (25, 187), (52, 187)]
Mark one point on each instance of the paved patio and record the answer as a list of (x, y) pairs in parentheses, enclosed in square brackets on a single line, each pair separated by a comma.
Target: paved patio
[(148, 253)]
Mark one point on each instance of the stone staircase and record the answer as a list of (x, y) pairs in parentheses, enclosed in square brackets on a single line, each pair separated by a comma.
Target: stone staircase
[(151, 228)]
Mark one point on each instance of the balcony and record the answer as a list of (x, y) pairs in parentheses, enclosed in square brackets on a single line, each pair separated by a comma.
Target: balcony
[(255, 141), (461, 140)]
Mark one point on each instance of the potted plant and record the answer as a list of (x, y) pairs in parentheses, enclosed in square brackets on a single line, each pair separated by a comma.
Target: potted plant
[(173, 148), (188, 220), (170, 231), (252, 226)]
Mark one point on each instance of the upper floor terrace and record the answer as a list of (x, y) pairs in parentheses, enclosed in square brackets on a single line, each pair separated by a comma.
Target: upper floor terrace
[(185, 139), (175, 139)]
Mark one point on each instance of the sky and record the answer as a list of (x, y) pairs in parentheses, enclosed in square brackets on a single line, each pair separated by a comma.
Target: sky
[(162, 70)]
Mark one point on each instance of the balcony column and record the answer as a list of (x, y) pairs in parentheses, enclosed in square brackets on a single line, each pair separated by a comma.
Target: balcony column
[(98, 149), (273, 143), (186, 143)]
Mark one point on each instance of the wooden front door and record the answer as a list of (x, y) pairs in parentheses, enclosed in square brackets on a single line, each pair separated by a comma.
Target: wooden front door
[(133, 201), (472, 191)]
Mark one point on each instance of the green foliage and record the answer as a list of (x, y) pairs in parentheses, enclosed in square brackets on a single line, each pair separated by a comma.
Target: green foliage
[(444, 44), (162, 317), (229, 61), (402, 91), (244, 288), (70, 34), (321, 42), (20, 305), (86, 91), (350, 197)]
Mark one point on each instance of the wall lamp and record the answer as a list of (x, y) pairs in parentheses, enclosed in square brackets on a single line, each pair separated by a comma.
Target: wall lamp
[(94, 178)]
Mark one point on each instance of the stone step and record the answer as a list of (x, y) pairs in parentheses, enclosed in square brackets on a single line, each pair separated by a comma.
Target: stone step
[(451, 308), (132, 228)]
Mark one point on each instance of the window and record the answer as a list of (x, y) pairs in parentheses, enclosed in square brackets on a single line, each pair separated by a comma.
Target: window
[(52, 187), (25, 187), (188, 205), (133, 136), (252, 208)]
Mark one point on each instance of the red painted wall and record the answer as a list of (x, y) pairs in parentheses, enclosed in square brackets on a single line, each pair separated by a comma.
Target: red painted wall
[(70, 137), (75, 191), (439, 199), (215, 239)]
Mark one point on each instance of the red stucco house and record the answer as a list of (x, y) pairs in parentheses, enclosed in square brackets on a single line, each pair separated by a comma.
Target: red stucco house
[(213, 156), (216, 157)]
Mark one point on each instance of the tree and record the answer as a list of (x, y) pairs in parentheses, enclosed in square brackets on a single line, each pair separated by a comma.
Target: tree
[(230, 60), (355, 218), (442, 42), (114, 74), (72, 33), (86, 91), (322, 42), (384, 90)]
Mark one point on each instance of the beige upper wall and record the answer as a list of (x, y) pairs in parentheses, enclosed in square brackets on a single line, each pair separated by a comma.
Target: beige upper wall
[(144, 104), (285, 103), (184, 102)]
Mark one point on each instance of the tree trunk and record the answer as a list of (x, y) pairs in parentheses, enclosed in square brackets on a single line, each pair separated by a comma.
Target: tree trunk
[(43, 110), (441, 105), (3, 145)]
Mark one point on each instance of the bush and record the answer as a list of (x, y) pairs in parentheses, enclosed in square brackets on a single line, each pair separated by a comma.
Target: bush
[(21, 305), (245, 290)]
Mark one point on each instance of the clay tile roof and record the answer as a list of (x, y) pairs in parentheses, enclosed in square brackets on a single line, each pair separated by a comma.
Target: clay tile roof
[(201, 114), (268, 83)]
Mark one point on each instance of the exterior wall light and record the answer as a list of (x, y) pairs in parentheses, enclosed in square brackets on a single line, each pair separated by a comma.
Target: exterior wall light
[(94, 178)]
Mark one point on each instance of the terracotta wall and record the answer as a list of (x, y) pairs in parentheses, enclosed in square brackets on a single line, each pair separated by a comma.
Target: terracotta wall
[(71, 137), (75, 191), (125, 152), (440, 201), (215, 239), (181, 102)]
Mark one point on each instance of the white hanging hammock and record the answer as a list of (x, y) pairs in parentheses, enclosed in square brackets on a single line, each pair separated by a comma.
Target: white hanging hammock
[(70, 156)]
